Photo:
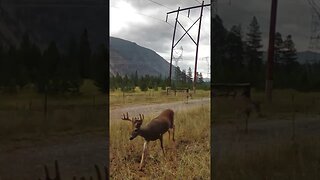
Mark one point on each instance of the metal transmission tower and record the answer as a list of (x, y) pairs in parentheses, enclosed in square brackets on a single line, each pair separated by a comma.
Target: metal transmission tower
[(178, 56), (214, 7), (314, 43), (174, 44), (208, 65)]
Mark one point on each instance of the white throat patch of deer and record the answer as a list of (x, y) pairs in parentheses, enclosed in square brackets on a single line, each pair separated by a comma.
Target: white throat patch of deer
[(153, 131)]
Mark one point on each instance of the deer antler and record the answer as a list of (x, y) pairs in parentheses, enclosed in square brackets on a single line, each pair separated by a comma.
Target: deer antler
[(126, 118), (141, 117)]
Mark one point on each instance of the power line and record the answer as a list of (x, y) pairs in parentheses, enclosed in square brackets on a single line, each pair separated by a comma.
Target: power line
[(201, 3), (168, 8), (147, 16), (160, 4)]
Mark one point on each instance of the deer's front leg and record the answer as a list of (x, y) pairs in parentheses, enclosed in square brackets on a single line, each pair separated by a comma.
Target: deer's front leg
[(143, 153)]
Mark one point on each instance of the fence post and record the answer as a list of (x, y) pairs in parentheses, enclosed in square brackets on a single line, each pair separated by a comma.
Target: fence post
[(293, 119)]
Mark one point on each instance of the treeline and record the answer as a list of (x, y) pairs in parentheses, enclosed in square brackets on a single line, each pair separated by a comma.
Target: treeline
[(128, 83), (237, 56), (52, 70)]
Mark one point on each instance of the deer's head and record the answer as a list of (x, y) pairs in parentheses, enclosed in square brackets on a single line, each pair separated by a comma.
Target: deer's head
[(137, 122)]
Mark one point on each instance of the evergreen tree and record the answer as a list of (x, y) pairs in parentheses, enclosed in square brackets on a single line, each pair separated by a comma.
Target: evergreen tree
[(118, 81), (253, 52), (71, 70), (85, 55), (291, 66), (136, 79), (47, 79), (200, 78), (278, 47), (9, 71), (101, 70), (184, 77), (289, 52), (218, 50), (143, 84), (233, 63), (25, 61), (189, 76)]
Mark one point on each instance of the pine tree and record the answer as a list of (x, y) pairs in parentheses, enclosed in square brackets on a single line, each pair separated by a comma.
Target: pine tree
[(25, 61), (85, 55), (289, 54), (218, 50), (71, 67), (9, 71), (233, 63), (184, 77), (200, 78), (278, 47), (47, 74), (189, 76), (101, 72), (253, 51)]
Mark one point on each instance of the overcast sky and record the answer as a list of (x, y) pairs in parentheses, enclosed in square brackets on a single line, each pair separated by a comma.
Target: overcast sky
[(143, 22), (293, 17)]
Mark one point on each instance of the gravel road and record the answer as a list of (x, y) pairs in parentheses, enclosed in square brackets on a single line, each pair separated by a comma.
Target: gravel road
[(157, 108), (264, 133)]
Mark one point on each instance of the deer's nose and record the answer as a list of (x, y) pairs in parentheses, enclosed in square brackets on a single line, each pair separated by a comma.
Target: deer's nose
[(131, 138)]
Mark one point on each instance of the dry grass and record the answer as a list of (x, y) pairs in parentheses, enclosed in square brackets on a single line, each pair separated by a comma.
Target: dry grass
[(268, 152), (279, 160), (282, 107), (188, 158), (23, 113)]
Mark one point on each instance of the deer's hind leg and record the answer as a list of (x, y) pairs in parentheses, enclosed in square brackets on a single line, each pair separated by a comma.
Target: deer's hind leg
[(161, 143), (173, 128)]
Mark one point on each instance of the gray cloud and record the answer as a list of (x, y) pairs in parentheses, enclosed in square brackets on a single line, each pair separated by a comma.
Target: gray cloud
[(293, 17), (156, 34)]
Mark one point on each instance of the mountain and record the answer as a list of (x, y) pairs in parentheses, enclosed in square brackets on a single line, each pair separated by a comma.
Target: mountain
[(308, 57), (303, 57), (48, 20), (127, 57)]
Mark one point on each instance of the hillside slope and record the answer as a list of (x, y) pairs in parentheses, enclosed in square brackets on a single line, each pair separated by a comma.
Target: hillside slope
[(127, 57)]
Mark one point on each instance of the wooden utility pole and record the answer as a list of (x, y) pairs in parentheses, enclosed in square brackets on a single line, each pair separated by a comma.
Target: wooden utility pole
[(269, 75), (174, 44)]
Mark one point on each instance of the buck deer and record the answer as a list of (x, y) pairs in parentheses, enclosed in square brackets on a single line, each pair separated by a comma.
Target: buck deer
[(154, 130)]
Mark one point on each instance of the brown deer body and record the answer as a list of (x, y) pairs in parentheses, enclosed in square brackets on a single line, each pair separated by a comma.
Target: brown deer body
[(154, 130)]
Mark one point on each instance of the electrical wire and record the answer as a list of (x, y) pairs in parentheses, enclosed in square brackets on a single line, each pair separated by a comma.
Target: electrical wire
[(147, 16)]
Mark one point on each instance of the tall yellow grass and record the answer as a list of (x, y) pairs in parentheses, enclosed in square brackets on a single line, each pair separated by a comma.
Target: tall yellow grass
[(187, 158)]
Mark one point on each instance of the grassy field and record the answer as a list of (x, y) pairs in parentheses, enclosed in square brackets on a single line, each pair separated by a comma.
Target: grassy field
[(285, 102), (281, 160), (268, 151), (23, 113), (119, 99), (188, 158)]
